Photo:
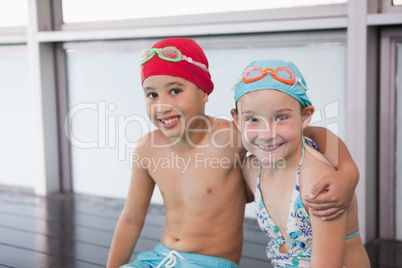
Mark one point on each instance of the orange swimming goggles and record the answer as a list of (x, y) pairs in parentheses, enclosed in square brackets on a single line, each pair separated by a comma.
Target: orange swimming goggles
[(282, 74)]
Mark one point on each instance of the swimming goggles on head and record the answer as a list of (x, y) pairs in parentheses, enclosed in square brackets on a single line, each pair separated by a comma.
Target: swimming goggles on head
[(171, 54), (282, 74)]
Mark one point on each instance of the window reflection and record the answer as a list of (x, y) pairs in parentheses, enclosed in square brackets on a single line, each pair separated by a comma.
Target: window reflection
[(397, 2), (13, 13), (99, 10)]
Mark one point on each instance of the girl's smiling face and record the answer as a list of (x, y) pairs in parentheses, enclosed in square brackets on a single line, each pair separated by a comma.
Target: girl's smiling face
[(271, 124)]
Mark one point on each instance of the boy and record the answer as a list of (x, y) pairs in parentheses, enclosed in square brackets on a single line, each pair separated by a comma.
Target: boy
[(205, 199)]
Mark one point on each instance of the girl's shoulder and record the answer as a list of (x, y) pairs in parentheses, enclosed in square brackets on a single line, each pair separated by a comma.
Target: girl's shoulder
[(314, 157), (315, 166), (250, 168)]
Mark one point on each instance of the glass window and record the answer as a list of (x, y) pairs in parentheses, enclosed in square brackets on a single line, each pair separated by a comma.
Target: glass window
[(397, 2), (98, 10), (107, 110), (399, 144), (13, 13), (107, 115), (16, 135)]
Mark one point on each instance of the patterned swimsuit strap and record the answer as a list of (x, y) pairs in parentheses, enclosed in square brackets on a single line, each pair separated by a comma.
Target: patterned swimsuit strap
[(300, 163)]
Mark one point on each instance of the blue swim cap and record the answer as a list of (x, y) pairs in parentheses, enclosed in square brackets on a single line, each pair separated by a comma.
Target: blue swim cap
[(296, 90)]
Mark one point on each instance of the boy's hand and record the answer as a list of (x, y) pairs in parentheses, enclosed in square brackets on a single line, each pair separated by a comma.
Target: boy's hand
[(332, 195)]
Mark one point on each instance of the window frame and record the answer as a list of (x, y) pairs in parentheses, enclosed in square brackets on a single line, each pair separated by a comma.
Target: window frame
[(387, 132), (388, 7), (293, 13)]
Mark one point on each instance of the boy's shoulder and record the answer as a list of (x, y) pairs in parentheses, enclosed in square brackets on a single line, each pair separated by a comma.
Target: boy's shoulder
[(223, 132), (150, 140), (220, 123)]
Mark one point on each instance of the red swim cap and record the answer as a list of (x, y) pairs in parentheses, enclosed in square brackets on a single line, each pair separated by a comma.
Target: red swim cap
[(183, 69)]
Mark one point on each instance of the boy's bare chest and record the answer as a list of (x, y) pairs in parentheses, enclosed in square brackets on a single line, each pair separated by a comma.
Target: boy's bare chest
[(194, 174), (208, 160), (190, 165)]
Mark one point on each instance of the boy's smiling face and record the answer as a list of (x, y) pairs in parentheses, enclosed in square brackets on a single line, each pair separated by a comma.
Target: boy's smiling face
[(271, 124), (173, 104)]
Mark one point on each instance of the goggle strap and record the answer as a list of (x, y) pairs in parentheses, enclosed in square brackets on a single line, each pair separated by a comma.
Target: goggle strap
[(190, 60), (301, 83), (201, 65), (237, 83)]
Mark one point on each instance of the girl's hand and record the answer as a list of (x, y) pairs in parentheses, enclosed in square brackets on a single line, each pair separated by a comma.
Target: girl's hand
[(332, 195)]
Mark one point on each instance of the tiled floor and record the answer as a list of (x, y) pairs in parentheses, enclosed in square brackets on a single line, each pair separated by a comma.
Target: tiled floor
[(76, 231), (385, 253)]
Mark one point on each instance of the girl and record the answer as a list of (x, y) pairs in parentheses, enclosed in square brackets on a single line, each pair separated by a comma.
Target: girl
[(272, 109)]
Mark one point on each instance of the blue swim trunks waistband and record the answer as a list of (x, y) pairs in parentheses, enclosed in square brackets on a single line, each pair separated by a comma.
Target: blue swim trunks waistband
[(162, 256)]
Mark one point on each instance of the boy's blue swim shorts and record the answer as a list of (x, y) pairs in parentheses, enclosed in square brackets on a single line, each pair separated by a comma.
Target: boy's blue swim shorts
[(162, 256)]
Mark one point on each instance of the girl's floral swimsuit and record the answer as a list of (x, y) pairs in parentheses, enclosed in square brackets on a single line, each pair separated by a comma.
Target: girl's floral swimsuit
[(298, 228)]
